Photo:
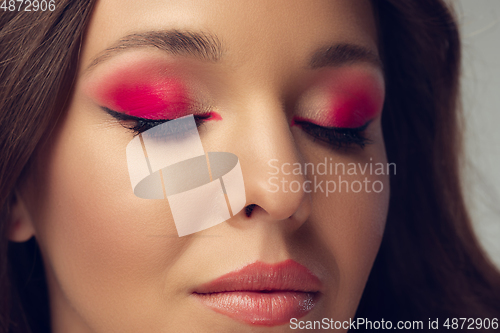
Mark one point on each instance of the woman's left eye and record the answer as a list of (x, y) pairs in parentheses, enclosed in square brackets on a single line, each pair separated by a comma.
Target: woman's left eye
[(337, 137), (139, 125)]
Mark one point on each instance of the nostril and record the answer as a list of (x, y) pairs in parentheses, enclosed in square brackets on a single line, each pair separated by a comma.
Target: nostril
[(249, 209)]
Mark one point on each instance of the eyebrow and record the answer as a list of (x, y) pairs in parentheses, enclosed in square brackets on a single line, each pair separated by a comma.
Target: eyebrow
[(208, 47), (343, 54), (202, 46)]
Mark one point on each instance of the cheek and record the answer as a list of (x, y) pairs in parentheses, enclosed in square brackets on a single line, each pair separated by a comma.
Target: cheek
[(96, 236), (350, 221), (352, 225)]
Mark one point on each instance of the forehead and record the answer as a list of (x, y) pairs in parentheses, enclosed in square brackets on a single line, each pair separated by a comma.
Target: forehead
[(259, 32)]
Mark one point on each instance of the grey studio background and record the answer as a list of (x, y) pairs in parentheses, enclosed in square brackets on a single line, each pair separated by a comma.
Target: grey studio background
[(480, 28)]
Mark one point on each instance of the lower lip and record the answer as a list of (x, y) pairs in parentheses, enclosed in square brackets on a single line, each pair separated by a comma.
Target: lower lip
[(261, 308)]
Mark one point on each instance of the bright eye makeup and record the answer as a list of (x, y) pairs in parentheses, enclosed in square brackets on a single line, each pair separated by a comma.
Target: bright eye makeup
[(337, 137), (339, 109), (143, 97), (140, 107), (139, 125), (150, 100)]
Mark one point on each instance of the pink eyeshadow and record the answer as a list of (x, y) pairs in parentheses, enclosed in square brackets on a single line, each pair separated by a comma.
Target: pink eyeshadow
[(351, 110), (161, 100), (352, 99), (214, 116), (145, 90)]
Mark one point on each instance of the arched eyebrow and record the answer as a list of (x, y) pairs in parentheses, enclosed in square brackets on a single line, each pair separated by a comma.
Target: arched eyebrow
[(202, 46), (343, 54), (208, 47)]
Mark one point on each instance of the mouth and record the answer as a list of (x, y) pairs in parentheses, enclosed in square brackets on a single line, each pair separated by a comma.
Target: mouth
[(263, 294)]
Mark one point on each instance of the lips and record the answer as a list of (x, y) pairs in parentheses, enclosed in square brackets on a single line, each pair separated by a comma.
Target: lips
[(263, 294)]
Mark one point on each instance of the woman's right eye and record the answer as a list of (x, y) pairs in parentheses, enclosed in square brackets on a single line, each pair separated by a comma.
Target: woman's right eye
[(139, 125)]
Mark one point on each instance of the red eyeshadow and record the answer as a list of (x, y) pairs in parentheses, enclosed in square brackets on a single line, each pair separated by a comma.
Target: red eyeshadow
[(214, 116), (352, 99), (144, 91), (352, 109), (159, 100)]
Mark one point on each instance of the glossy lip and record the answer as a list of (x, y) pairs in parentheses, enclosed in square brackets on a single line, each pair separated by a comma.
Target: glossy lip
[(263, 294)]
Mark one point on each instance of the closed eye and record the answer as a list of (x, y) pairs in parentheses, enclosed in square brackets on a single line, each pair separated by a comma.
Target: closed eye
[(139, 125), (337, 137)]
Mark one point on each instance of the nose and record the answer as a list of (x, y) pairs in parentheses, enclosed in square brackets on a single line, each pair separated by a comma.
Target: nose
[(269, 155)]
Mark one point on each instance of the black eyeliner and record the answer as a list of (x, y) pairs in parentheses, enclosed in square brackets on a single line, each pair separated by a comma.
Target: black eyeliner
[(139, 125), (338, 137)]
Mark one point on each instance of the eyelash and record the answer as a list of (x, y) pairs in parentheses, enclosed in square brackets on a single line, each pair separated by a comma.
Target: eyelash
[(337, 137), (334, 136), (139, 125)]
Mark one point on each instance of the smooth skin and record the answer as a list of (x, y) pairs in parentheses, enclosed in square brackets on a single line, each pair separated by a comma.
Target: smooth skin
[(114, 262)]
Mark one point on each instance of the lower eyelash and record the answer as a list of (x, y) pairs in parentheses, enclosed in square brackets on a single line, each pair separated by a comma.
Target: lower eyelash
[(335, 136)]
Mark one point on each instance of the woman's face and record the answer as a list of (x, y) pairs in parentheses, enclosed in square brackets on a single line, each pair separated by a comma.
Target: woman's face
[(295, 90)]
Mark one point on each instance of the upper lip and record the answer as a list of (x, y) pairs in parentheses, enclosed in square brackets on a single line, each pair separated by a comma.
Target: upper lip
[(287, 275)]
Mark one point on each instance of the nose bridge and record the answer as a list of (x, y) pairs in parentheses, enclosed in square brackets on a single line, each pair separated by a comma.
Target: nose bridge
[(269, 148)]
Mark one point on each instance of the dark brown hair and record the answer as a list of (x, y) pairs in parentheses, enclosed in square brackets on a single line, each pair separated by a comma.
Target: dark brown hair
[(38, 58), (429, 265)]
